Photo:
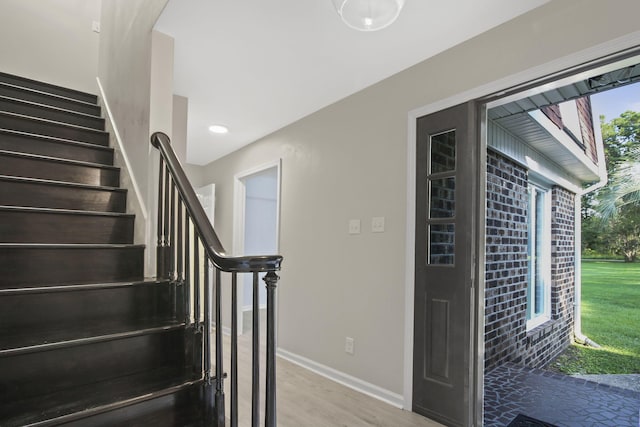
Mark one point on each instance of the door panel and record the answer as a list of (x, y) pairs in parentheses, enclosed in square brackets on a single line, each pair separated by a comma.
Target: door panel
[(445, 206)]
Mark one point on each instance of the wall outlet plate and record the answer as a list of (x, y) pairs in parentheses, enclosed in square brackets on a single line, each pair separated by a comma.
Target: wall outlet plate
[(348, 345), (354, 226)]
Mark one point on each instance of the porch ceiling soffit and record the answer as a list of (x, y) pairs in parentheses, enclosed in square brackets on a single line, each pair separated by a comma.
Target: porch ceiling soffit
[(537, 131), (523, 118), (589, 86)]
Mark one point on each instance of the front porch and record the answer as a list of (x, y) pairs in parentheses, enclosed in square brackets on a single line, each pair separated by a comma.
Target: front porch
[(556, 399)]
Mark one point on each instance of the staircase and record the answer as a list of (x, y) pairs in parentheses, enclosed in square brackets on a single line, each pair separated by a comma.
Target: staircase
[(84, 339)]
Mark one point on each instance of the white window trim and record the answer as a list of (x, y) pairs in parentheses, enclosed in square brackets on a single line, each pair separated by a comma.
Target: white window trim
[(545, 258)]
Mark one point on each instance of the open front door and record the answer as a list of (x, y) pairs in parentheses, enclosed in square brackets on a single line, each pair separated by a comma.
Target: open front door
[(447, 161)]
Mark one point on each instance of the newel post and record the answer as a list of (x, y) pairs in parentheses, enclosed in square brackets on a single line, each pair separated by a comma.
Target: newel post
[(271, 280)]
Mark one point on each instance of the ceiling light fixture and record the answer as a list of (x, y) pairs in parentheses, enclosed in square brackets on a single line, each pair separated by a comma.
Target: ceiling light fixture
[(218, 129), (368, 15)]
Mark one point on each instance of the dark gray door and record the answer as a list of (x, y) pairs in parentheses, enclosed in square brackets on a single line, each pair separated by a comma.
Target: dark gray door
[(445, 210)]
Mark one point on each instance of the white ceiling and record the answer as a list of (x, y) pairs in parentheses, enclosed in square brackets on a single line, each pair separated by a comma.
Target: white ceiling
[(257, 65)]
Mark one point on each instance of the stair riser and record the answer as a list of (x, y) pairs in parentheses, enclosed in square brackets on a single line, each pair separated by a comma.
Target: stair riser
[(51, 266), (121, 307), (40, 195), (57, 130), (46, 227), (49, 113), (48, 88), (53, 148), (58, 171), (46, 372), (54, 101)]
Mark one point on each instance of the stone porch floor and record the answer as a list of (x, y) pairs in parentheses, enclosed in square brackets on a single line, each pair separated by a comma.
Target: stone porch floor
[(557, 399)]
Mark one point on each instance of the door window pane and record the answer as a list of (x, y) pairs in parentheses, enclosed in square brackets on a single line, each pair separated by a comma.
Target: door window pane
[(443, 152), (442, 244), (442, 197)]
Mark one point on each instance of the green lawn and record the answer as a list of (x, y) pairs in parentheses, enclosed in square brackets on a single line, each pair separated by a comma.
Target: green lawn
[(610, 317)]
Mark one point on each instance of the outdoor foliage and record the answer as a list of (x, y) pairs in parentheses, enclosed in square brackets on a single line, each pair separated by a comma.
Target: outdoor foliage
[(611, 216), (610, 317)]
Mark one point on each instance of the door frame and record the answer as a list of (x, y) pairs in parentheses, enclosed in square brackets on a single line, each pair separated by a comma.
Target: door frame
[(553, 71), (239, 198)]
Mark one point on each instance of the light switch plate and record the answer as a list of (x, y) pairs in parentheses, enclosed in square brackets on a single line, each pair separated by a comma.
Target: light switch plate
[(377, 224)]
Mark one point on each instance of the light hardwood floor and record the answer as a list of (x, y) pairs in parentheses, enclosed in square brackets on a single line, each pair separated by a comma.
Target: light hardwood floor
[(306, 399)]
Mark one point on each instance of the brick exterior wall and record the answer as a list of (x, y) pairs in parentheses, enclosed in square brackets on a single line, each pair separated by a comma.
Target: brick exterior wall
[(553, 113), (585, 116), (506, 335), (506, 261)]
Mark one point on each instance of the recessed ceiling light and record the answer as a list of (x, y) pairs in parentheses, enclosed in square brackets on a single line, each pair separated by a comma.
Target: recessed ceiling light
[(218, 129)]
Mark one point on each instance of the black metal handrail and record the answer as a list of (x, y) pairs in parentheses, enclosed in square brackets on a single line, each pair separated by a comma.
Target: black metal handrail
[(178, 260)]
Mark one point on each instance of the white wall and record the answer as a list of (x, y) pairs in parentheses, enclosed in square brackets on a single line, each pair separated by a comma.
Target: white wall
[(124, 72), (161, 89), (124, 69), (179, 129), (349, 160), (51, 41)]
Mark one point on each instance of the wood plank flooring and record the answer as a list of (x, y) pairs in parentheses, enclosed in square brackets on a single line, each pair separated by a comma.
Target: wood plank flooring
[(306, 399)]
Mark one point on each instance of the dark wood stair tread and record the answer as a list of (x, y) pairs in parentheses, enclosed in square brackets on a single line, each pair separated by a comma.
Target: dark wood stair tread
[(26, 123), (54, 139), (40, 225), (48, 88), (71, 335), (47, 98), (84, 401), (47, 193), (50, 112), (26, 209), (55, 122), (67, 246), (59, 183), (75, 287), (53, 107), (13, 163), (42, 264), (57, 160)]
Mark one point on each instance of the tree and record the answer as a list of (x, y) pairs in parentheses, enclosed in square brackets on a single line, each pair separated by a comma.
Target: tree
[(620, 136), (611, 216), (624, 186), (622, 234)]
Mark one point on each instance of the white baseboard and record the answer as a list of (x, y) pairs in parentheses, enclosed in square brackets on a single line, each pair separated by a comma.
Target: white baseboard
[(347, 380)]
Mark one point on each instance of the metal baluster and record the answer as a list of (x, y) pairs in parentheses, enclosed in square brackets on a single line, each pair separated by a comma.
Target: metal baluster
[(255, 359), (160, 269), (187, 270), (196, 281), (234, 349), (207, 320), (165, 229), (219, 371), (179, 260), (208, 383), (197, 349), (271, 280), (172, 232)]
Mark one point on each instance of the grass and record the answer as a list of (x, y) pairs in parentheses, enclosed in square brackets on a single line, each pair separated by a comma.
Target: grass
[(610, 317)]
